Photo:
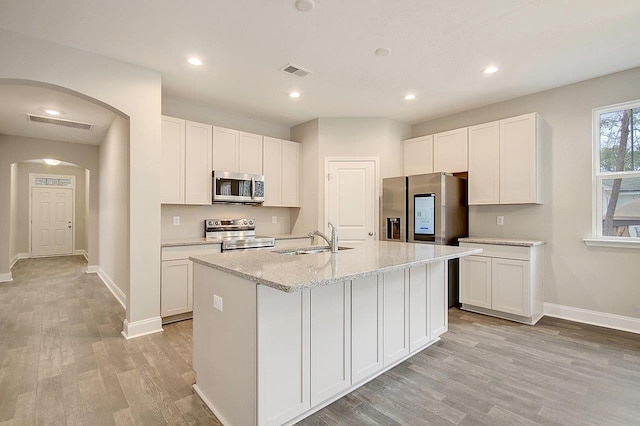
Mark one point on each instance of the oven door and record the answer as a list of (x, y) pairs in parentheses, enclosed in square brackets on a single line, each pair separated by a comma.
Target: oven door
[(229, 187)]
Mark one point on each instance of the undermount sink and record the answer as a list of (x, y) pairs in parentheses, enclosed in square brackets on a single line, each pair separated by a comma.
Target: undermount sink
[(309, 250)]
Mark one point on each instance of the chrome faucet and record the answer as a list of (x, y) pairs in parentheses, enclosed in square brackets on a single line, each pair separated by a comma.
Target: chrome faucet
[(333, 244)]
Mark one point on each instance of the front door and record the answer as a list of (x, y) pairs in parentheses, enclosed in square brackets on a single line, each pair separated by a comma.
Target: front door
[(51, 221), (351, 198)]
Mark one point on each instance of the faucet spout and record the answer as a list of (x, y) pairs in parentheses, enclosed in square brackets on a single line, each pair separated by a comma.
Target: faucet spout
[(333, 242)]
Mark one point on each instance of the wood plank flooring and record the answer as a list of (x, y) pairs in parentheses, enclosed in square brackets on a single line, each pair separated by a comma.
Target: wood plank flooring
[(63, 361)]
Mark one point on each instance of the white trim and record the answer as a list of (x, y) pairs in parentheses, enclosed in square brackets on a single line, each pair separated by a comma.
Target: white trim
[(632, 243), (602, 319), (81, 252), (113, 288), (141, 328), (210, 405), (17, 257), (6, 277)]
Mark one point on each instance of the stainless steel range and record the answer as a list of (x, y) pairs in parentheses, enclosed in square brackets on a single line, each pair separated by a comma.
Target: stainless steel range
[(236, 234)]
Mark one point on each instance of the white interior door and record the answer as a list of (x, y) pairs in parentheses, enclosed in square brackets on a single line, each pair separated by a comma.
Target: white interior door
[(351, 198), (51, 221)]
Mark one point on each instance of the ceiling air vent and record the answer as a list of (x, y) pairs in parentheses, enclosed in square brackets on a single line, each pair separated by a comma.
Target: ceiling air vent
[(59, 122), (295, 70)]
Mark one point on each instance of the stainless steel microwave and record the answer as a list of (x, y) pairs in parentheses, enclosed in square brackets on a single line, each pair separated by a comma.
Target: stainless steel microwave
[(229, 187)]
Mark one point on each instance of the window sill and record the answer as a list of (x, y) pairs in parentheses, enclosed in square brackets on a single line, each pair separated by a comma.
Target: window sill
[(613, 242)]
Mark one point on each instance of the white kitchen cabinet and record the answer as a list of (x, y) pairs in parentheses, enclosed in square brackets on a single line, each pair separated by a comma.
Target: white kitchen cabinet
[(330, 340), (291, 175), (484, 164), (520, 160), (250, 154), (438, 299), (419, 327), (450, 151), (366, 327), (173, 160), (418, 155), (283, 355), (504, 280), (177, 287), (198, 166), (226, 144), (395, 316), (272, 169)]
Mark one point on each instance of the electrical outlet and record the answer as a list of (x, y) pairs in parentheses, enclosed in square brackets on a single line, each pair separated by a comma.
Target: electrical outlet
[(274, 219), (217, 302), (500, 220), (176, 220)]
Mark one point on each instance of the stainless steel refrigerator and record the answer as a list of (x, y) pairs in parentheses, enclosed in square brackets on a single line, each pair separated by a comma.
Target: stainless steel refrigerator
[(430, 209)]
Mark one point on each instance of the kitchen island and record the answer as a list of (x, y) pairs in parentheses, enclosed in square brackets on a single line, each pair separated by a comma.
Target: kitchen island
[(277, 336)]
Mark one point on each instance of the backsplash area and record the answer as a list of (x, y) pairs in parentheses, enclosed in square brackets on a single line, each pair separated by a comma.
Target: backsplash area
[(192, 219)]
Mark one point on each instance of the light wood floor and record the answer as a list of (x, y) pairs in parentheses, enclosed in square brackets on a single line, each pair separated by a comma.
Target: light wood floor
[(63, 361)]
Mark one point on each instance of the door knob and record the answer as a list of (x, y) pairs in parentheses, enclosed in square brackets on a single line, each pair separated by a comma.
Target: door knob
[(371, 234)]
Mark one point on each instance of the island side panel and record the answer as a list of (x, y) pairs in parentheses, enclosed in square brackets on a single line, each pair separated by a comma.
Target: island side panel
[(224, 344), (419, 328), (438, 300), (366, 327)]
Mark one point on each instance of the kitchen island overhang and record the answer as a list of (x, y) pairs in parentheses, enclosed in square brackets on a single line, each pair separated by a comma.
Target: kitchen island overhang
[(292, 333)]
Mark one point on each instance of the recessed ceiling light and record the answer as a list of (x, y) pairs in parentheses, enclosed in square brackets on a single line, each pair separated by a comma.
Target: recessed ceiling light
[(383, 51), (491, 69), (195, 61), (294, 95), (305, 5), (52, 112), (409, 97), (51, 161)]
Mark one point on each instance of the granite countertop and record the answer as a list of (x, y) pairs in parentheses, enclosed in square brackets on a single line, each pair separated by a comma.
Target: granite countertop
[(501, 241), (291, 273), (189, 242)]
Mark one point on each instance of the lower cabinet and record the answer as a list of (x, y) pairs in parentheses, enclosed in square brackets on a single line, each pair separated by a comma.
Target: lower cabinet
[(396, 316), (366, 327), (504, 281)]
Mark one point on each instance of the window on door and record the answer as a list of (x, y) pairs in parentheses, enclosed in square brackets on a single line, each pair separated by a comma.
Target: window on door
[(617, 172)]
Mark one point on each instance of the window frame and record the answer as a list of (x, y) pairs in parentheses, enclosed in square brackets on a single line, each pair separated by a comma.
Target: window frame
[(598, 176)]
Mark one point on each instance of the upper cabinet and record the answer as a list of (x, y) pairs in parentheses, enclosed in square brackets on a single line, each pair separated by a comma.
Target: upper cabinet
[(281, 168), (505, 162), (418, 155), (235, 151), (450, 151), (186, 162)]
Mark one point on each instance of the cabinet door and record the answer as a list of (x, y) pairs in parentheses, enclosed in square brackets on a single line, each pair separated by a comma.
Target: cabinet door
[(173, 153), (395, 316), (366, 327), (330, 340), (250, 153), (418, 307), (272, 169), (510, 283), (283, 355), (475, 281), (484, 164), (198, 163), (519, 168), (438, 298), (418, 155), (177, 287), (225, 149), (290, 174), (450, 151)]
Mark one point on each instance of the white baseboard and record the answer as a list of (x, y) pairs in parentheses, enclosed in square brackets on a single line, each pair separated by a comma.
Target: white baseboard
[(141, 328), (81, 252), (210, 405), (18, 257), (602, 319), (115, 290), (6, 277)]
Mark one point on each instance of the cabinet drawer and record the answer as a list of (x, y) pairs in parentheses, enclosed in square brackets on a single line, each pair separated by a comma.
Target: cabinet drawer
[(183, 252), (502, 251)]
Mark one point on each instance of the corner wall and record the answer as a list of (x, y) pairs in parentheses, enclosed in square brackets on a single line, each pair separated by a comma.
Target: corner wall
[(597, 279), (13, 222)]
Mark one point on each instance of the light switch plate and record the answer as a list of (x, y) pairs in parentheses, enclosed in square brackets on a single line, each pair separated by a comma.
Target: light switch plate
[(176, 220), (500, 220), (217, 302)]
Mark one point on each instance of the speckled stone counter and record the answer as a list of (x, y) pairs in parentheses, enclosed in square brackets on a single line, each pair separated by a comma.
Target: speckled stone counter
[(189, 242), (292, 273), (501, 241)]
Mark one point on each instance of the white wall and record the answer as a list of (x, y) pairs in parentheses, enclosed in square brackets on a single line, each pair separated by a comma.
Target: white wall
[(343, 137), (13, 222), (188, 110), (135, 92), (24, 194), (114, 203), (192, 219), (598, 279)]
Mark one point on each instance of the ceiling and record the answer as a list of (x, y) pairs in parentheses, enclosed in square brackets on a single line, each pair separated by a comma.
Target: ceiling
[(438, 49), (20, 100)]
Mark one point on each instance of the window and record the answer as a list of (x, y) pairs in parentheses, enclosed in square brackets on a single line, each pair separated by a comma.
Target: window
[(617, 172)]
